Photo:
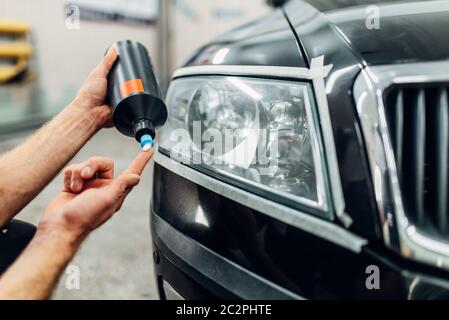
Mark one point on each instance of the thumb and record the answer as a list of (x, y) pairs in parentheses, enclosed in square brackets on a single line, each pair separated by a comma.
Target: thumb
[(108, 61), (103, 68)]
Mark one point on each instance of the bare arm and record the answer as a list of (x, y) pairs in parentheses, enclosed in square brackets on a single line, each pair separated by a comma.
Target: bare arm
[(27, 169), (68, 219), (37, 270)]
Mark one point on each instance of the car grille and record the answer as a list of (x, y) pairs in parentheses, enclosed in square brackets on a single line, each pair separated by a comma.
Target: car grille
[(418, 120)]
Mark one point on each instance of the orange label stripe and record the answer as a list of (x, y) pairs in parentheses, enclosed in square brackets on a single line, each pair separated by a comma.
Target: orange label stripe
[(130, 87)]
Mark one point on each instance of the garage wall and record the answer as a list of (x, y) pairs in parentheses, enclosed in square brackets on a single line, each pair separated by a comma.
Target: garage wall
[(65, 57), (193, 22)]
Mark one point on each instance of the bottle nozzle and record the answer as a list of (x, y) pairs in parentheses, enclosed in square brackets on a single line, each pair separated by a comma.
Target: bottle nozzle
[(146, 142), (144, 133)]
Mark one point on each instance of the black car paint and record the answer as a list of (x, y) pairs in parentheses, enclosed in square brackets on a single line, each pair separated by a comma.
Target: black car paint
[(333, 5), (407, 33), (319, 38), (267, 41), (294, 259)]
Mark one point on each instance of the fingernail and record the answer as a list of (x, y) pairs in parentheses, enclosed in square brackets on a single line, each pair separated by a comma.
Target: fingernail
[(146, 148), (75, 184), (87, 171)]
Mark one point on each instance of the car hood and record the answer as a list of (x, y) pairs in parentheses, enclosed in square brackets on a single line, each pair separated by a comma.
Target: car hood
[(406, 31), (267, 41)]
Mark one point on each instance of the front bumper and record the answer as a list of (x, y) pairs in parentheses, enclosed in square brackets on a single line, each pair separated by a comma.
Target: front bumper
[(212, 241), (196, 272)]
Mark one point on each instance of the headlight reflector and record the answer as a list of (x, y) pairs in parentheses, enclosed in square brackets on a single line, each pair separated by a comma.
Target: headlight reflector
[(258, 132)]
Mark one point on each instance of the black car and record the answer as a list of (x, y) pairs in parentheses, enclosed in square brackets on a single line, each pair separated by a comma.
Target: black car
[(306, 156)]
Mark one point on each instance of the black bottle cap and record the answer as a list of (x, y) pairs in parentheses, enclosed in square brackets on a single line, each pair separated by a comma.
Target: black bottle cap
[(142, 127)]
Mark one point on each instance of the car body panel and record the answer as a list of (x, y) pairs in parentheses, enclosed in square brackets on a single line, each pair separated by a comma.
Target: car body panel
[(305, 265), (408, 32), (266, 41), (326, 6), (319, 38)]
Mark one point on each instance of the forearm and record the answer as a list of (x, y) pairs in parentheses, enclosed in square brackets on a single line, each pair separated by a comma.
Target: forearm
[(37, 270), (27, 169)]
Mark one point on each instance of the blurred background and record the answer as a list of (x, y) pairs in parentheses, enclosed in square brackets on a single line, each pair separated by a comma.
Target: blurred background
[(47, 49), (51, 45)]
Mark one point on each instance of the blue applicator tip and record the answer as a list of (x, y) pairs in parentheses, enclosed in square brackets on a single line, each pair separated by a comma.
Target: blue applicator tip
[(146, 142)]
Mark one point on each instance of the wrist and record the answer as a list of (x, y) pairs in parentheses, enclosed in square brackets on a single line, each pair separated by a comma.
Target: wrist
[(93, 117), (69, 239)]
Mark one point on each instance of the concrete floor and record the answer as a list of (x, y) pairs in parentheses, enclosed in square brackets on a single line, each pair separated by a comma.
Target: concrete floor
[(115, 262)]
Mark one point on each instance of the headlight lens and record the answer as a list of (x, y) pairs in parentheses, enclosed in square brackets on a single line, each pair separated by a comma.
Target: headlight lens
[(259, 132)]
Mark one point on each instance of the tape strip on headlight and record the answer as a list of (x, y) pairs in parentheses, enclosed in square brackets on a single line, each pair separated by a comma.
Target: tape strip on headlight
[(258, 133)]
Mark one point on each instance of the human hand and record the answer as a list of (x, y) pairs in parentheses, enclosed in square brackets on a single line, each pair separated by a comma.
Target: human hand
[(91, 195), (91, 97)]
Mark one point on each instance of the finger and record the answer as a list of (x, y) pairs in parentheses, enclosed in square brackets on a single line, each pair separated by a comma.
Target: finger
[(67, 178), (76, 182), (104, 167), (106, 63), (96, 183), (139, 163)]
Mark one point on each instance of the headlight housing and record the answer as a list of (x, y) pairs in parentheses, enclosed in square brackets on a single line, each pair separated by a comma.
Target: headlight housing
[(257, 133)]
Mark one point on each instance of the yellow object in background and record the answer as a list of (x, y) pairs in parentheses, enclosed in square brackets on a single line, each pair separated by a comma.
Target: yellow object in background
[(15, 53)]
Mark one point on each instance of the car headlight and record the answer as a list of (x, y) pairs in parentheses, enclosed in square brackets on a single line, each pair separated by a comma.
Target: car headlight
[(259, 133)]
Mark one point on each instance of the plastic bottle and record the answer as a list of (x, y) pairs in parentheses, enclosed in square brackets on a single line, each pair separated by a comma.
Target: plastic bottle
[(134, 94)]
